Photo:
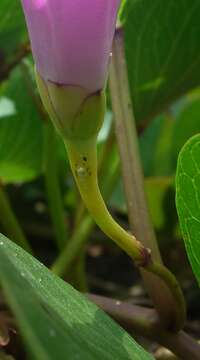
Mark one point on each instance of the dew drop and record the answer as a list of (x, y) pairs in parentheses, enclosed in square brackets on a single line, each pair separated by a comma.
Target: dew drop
[(52, 333), (111, 54), (118, 303), (1, 243), (22, 274)]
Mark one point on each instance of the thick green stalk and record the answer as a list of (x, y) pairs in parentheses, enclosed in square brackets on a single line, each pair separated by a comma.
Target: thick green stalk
[(171, 307), (10, 223), (108, 175), (54, 195), (83, 160)]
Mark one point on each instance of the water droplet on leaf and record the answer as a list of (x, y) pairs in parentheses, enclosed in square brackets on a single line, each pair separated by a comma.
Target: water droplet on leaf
[(52, 333)]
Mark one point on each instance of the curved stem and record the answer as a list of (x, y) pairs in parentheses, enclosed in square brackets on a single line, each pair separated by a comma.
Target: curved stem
[(83, 160), (169, 279), (109, 173)]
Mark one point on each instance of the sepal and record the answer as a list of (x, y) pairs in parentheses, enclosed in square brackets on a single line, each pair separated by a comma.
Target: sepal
[(75, 114)]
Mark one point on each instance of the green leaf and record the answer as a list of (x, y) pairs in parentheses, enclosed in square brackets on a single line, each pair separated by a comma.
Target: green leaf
[(155, 147), (188, 199), (163, 51), (158, 191), (55, 320), (21, 129), (12, 26), (186, 125)]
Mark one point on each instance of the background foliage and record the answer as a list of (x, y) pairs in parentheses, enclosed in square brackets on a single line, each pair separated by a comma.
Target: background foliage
[(163, 58)]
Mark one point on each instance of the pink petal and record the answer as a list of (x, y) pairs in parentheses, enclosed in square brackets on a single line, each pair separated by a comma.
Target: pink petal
[(72, 39)]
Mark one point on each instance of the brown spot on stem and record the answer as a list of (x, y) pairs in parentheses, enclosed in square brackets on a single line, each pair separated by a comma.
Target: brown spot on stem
[(145, 257)]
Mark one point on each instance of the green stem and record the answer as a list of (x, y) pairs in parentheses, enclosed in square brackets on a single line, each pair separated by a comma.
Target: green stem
[(83, 160), (108, 165), (163, 288), (11, 224), (108, 171), (109, 174), (177, 320), (77, 275), (72, 248), (54, 195)]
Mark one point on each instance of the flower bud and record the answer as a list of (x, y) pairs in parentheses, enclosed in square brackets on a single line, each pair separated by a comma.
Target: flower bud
[(71, 43)]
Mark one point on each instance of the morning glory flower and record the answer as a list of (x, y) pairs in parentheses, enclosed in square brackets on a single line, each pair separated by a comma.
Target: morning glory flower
[(71, 40)]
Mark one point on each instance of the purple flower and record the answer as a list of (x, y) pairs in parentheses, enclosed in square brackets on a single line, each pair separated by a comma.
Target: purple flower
[(71, 40)]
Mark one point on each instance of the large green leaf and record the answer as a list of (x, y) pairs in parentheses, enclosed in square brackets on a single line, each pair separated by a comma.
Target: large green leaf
[(12, 26), (55, 320), (163, 139), (159, 193), (186, 125), (20, 132), (163, 51), (188, 199), (155, 147)]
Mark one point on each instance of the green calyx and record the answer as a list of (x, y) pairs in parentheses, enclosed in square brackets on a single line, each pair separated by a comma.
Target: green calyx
[(75, 114)]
